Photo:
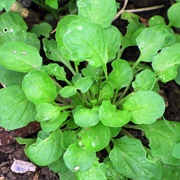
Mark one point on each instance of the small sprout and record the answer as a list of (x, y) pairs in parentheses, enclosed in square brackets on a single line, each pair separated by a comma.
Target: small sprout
[(76, 168), (24, 53)]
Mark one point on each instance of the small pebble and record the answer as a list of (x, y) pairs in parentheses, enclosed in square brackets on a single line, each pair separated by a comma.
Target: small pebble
[(19, 166)]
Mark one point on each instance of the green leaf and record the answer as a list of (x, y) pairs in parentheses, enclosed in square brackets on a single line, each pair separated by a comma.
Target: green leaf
[(67, 91), (165, 64), (114, 38), (177, 79), (39, 87), (156, 20), (83, 84), (47, 112), (121, 74), (9, 78), (52, 125), (68, 175), (94, 138), (145, 107), (77, 159), (52, 3), (42, 29), (16, 110), (175, 151), (82, 40), (54, 69), (163, 136), (128, 157), (145, 80), (19, 56), (45, 151), (110, 116), (6, 4), (173, 15), (134, 28), (85, 117), (97, 171), (114, 131), (101, 12), (153, 39)]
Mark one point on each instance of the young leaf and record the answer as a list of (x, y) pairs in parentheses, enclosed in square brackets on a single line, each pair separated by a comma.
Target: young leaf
[(9, 78), (16, 110), (85, 117), (97, 171), (67, 91), (165, 64), (52, 3), (101, 12), (110, 116), (121, 74), (82, 40), (128, 157), (42, 29), (173, 15), (114, 38), (153, 39), (145, 107), (39, 87), (163, 135), (94, 138), (145, 80), (54, 69), (47, 112), (42, 152), (19, 56), (156, 20), (77, 159)]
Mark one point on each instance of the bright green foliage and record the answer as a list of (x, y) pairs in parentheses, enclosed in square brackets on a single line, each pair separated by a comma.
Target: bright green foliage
[(19, 56), (101, 12), (22, 110), (39, 87), (128, 157), (6, 4), (92, 102)]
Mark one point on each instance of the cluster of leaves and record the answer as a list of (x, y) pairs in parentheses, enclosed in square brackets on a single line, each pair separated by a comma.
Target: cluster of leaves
[(84, 109)]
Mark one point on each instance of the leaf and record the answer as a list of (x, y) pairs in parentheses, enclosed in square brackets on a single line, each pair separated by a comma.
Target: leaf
[(9, 78), (77, 159), (156, 20), (145, 107), (101, 12), (114, 131), (172, 14), (54, 69), (39, 87), (128, 158), (153, 39), (110, 116), (85, 117), (177, 79), (121, 74), (97, 171), (94, 138), (52, 3), (82, 40), (165, 64), (163, 136), (52, 125), (175, 151), (6, 4), (114, 38), (145, 80), (18, 56), (16, 110), (83, 84), (67, 91), (68, 175), (46, 151), (47, 112), (42, 29)]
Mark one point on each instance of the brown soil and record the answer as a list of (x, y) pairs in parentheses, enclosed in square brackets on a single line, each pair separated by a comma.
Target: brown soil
[(10, 150)]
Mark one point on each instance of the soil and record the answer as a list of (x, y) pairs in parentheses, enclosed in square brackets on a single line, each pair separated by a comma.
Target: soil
[(10, 150)]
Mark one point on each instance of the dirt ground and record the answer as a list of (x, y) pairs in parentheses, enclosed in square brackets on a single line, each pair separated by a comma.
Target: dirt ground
[(10, 150)]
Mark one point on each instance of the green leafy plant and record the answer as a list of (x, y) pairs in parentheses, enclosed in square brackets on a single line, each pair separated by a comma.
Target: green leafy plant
[(87, 98)]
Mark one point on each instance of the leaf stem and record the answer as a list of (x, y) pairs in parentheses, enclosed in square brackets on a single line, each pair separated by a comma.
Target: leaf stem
[(124, 132)]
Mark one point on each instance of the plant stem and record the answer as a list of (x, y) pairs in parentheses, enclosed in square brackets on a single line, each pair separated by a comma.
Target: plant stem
[(124, 132), (108, 149)]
